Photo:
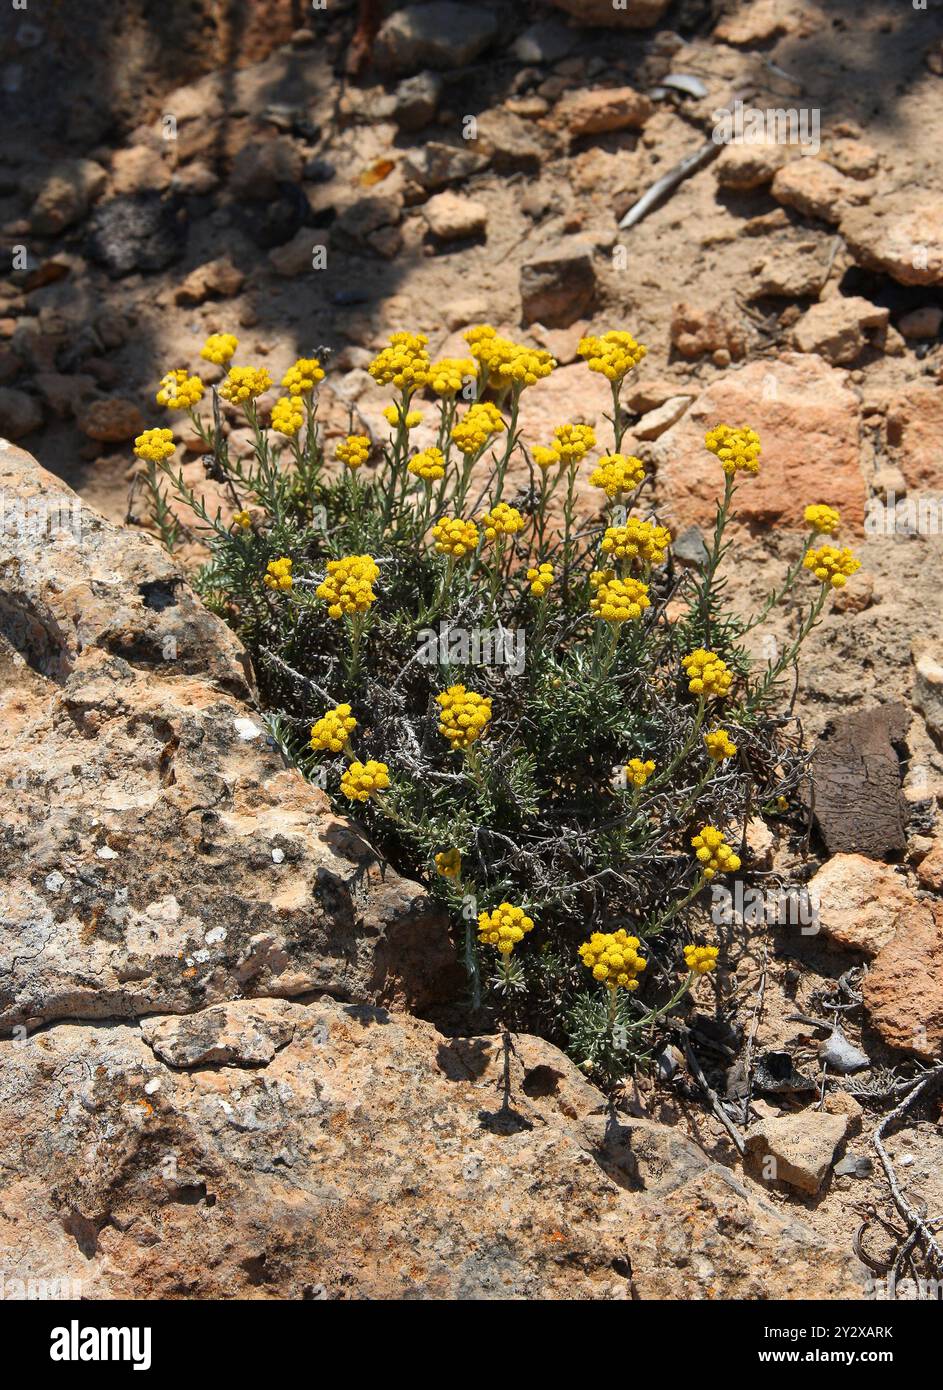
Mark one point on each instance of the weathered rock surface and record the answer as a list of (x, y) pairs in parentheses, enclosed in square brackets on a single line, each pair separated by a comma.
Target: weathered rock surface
[(903, 990), (437, 35), (859, 808), (803, 411), (797, 1149), (203, 1095), (558, 284), (861, 902), (158, 855), (900, 235), (840, 328), (368, 1157)]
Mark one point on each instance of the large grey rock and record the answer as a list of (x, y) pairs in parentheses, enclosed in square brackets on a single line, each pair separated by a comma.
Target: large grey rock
[(439, 35)]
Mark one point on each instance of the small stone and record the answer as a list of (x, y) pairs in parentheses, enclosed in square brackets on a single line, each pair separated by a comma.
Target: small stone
[(899, 234), (851, 1167), (797, 1149), (697, 330), (608, 108), (20, 413), (815, 189), (140, 231), (744, 167), (300, 255), (776, 1074), (65, 194), (928, 683), (903, 990), (546, 42), (930, 868), (689, 546), (558, 285), (112, 420), (838, 1054), (453, 217), (417, 100), (838, 329), (262, 165), (655, 422), (436, 165), (442, 34), (214, 278)]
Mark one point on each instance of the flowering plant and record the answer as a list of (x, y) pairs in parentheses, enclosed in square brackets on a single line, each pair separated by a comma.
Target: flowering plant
[(568, 807)]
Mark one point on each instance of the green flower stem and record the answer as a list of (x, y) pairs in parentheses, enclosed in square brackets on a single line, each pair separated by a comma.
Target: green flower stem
[(661, 922), (789, 655), (358, 625), (777, 595), (685, 747), (619, 424), (502, 464), (715, 555)]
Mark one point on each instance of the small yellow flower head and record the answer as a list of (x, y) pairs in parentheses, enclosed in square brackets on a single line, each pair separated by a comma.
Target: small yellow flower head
[(502, 520), (449, 374), (714, 854), (278, 574), (544, 458), (637, 773), (348, 586), (540, 579), (637, 540), (244, 384), (353, 451), (333, 730), (614, 353), (507, 363), (404, 364), (465, 716), (701, 959), (242, 519), (824, 520), (219, 348), (477, 425), (719, 745), (707, 674), (448, 863), (288, 415), (573, 442), (455, 537), (617, 473), (362, 780), (411, 419), (179, 391), (504, 927), (613, 958), (619, 600), (428, 465), (154, 445), (832, 565), (737, 449), (303, 376)]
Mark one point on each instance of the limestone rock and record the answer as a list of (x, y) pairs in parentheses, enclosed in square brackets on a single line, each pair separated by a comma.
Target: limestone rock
[(218, 278), (915, 436), (839, 329), (749, 165), (112, 420), (803, 411), (860, 902), (159, 856), (607, 108), (435, 165), (815, 189), (697, 330), (442, 34), (899, 234), (928, 683), (451, 217), (243, 1035), (903, 990), (64, 196), (797, 1149), (261, 166)]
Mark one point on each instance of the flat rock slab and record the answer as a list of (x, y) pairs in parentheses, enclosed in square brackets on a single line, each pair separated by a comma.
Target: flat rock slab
[(858, 807)]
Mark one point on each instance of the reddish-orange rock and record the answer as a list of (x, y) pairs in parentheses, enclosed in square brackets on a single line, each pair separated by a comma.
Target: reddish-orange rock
[(903, 991)]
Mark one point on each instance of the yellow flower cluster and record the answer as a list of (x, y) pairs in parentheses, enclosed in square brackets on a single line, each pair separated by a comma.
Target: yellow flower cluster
[(573, 442), (544, 457), (618, 600), (348, 586), (719, 745), (428, 465), (502, 520), (637, 540), (332, 731), (449, 374), (824, 520), (701, 959), (303, 376), (476, 427), (637, 772), (179, 391), (614, 958), (455, 537), (504, 927), (617, 473), (411, 419), (507, 363), (219, 348), (464, 717), (288, 415), (242, 519), (714, 854), (278, 574), (154, 445), (614, 353), (737, 449), (448, 863), (244, 384), (540, 579), (360, 781), (404, 364), (353, 451), (832, 565), (707, 674)]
